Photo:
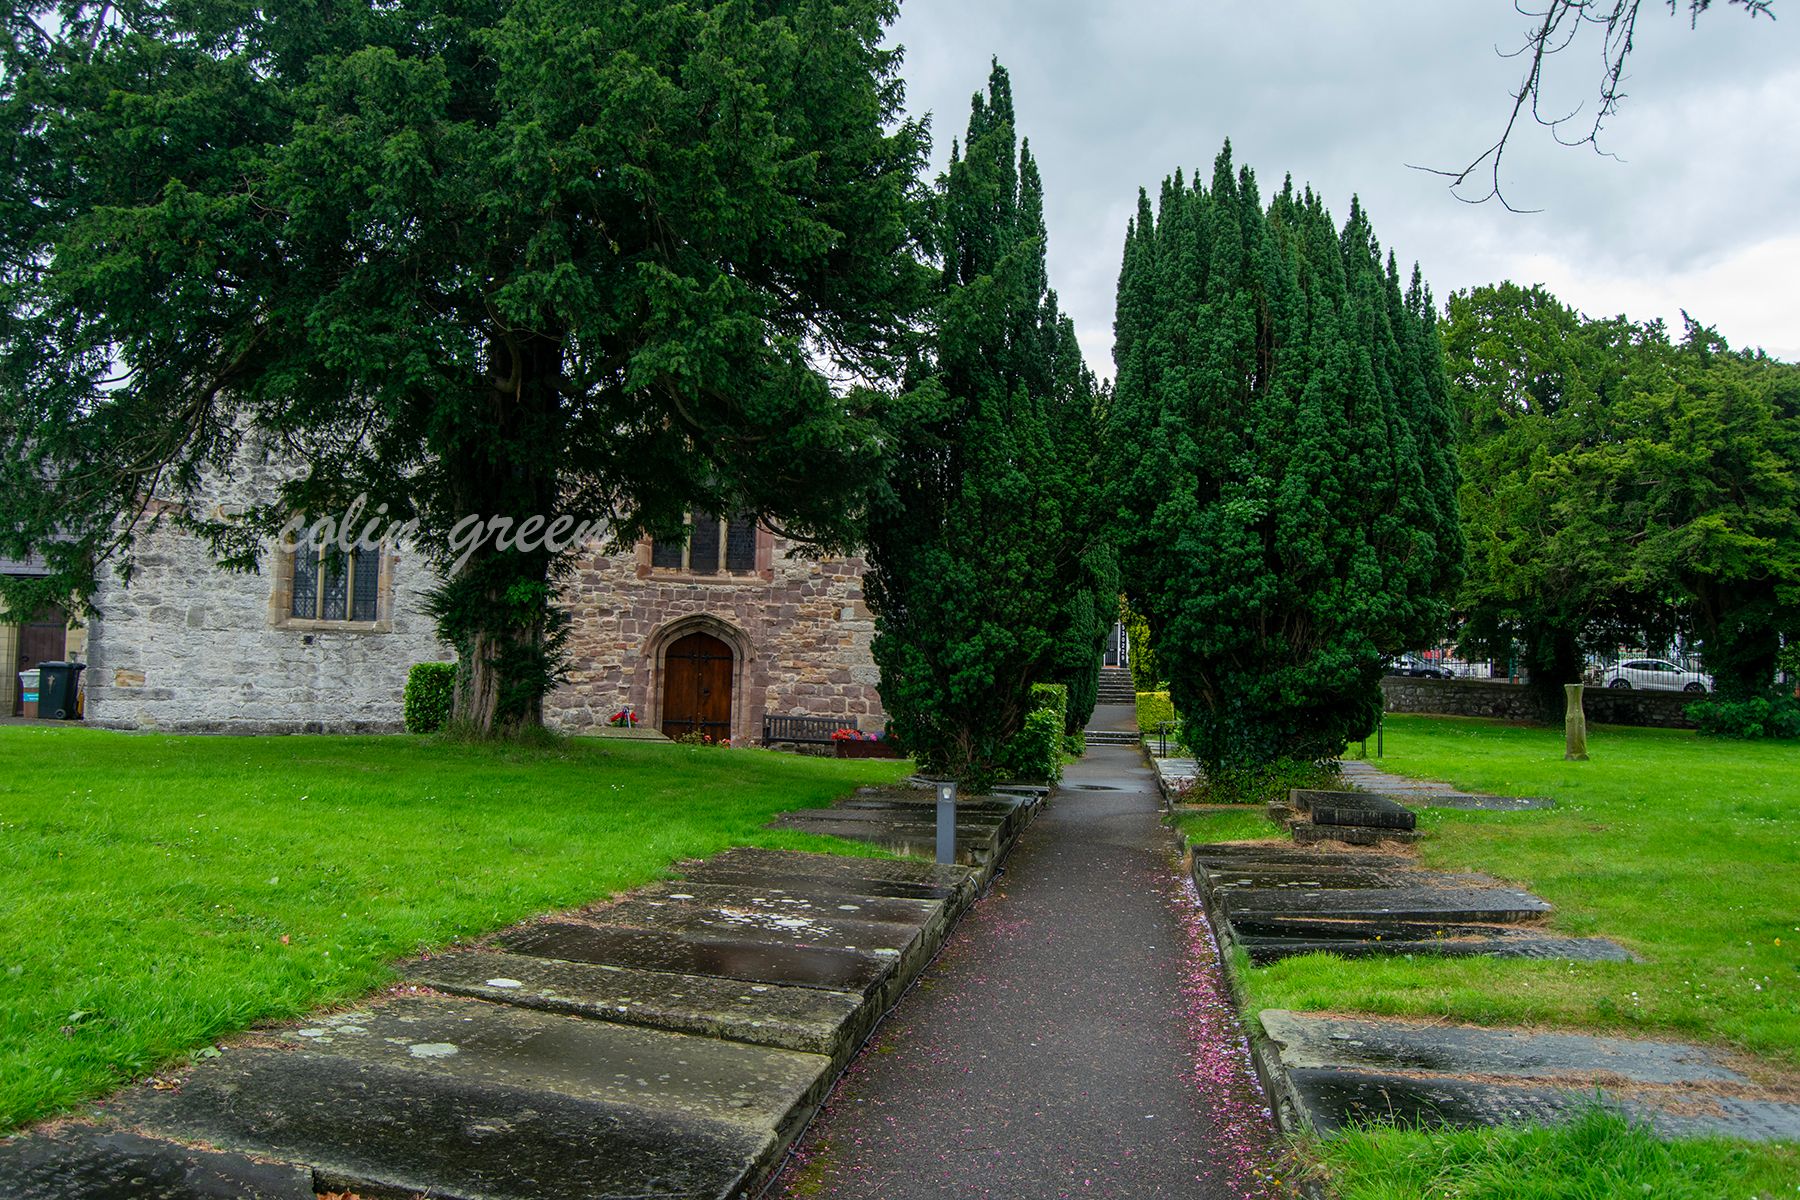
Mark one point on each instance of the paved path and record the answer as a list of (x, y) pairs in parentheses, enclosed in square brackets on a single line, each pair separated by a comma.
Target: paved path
[(1073, 1039)]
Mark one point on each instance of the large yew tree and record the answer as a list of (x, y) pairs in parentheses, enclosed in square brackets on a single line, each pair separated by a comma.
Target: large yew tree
[(502, 258), (1283, 465), (989, 566)]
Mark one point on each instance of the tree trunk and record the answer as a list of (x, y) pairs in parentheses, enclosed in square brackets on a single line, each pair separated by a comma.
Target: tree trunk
[(1739, 639), (500, 611), (1553, 660)]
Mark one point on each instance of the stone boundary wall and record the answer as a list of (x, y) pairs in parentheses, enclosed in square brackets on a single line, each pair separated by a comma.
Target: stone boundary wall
[(1514, 702)]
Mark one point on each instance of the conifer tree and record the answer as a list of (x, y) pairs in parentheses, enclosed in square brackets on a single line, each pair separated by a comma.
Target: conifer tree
[(497, 259), (986, 564), (1280, 438)]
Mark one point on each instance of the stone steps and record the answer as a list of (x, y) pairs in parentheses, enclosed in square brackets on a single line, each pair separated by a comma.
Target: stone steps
[(1116, 686), (1111, 737), (672, 1042)]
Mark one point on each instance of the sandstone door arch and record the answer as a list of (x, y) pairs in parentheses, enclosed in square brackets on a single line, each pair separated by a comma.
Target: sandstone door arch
[(697, 671)]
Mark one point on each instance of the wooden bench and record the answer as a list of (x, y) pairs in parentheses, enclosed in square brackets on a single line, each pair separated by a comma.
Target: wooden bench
[(803, 731)]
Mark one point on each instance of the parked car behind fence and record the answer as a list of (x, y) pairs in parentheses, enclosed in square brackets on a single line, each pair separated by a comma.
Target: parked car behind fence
[(1657, 674)]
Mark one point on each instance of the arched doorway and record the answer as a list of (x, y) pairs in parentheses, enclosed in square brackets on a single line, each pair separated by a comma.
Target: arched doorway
[(697, 687)]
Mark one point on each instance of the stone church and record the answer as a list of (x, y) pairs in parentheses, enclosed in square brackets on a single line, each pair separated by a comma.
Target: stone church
[(705, 637)]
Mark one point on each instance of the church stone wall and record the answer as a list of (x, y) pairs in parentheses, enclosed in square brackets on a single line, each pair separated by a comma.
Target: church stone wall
[(799, 628), (189, 648)]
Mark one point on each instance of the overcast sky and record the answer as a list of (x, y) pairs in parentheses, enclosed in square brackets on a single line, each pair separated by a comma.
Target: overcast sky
[(1700, 210)]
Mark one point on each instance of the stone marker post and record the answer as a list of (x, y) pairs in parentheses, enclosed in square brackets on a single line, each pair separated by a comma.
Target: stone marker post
[(1574, 726), (946, 821)]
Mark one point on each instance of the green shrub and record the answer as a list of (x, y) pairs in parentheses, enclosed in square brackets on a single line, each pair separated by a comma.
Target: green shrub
[(1074, 744), (430, 692), (1774, 715), (1153, 708), (1260, 785), (1037, 751), (1053, 697)]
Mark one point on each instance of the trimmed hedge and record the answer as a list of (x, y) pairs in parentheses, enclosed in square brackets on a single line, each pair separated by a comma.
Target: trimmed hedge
[(1037, 751), (430, 693)]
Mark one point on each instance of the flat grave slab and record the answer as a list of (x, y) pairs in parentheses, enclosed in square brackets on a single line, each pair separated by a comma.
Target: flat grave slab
[(994, 808), (1498, 942), (865, 875), (769, 921), (791, 895), (808, 1019), (1432, 794), (1345, 929), (1424, 903), (1348, 1070), (100, 1163), (479, 1043), (974, 845), (1366, 809), (1309, 1041), (1335, 1100), (1305, 833), (1315, 876), (1260, 854), (750, 960), (371, 1128), (892, 814)]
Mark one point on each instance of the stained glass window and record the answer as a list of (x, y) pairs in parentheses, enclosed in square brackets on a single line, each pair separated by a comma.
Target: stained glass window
[(703, 547), (740, 545), (365, 580), (306, 584)]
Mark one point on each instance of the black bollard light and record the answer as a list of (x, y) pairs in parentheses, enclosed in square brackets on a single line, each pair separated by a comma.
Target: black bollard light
[(946, 821)]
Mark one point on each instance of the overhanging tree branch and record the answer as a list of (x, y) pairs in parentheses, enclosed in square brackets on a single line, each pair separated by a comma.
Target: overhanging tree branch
[(1555, 28)]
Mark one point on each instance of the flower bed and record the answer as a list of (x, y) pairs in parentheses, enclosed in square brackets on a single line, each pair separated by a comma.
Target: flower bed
[(853, 743)]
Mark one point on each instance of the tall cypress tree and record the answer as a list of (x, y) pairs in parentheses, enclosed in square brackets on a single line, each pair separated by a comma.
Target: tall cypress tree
[(985, 557), (1280, 440)]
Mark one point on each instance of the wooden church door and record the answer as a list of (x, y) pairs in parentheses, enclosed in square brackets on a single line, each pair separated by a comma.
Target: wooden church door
[(697, 687)]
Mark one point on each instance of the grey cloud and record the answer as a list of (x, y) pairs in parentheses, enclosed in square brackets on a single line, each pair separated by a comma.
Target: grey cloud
[(1116, 95)]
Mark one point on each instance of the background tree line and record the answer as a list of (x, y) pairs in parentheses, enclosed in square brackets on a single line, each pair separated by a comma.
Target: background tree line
[(1622, 487)]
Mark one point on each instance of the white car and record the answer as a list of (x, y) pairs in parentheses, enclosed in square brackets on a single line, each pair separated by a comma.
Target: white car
[(1655, 673)]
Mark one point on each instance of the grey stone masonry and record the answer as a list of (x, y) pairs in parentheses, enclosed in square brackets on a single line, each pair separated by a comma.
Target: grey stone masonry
[(1514, 702), (187, 647)]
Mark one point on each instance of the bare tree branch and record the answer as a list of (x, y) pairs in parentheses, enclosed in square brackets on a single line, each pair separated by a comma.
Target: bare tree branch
[(1555, 27)]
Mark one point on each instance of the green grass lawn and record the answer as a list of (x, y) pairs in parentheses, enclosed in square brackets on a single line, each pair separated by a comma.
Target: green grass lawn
[(157, 892), (1599, 1155), (1684, 849)]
